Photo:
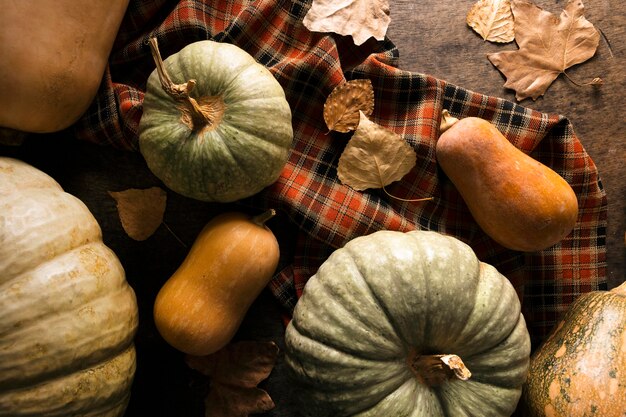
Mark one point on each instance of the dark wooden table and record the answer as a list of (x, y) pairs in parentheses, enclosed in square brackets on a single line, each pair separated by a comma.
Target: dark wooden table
[(432, 38)]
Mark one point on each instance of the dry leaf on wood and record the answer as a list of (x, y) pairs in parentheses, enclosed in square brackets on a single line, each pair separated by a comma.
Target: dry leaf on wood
[(547, 47), (362, 19), (141, 211), (374, 157), (341, 109), (493, 20), (234, 372)]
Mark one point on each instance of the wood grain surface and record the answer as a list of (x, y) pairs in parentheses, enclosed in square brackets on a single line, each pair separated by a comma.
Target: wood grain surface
[(432, 37)]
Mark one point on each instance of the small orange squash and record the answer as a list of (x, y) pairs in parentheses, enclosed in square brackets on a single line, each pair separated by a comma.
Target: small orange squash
[(201, 306), (516, 200), (580, 370)]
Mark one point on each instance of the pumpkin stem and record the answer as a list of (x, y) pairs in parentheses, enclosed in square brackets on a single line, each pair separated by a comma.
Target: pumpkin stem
[(447, 120), (196, 116), (434, 370), (260, 219)]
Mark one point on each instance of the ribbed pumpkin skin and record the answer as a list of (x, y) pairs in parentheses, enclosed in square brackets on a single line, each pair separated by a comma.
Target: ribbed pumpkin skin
[(238, 156), (68, 314), (580, 370), (384, 295)]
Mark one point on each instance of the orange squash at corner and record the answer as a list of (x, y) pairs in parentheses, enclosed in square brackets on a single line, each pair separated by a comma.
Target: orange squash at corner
[(580, 369), (54, 56), (516, 200), (201, 306)]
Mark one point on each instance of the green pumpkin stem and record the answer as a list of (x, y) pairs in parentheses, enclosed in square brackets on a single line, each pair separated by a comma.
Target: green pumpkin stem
[(434, 370), (197, 115), (260, 219)]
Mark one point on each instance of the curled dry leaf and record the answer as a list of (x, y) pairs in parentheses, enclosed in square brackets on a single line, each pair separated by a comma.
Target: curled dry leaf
[(234, 372), (547, 47), (141, 210), (361, 19), (374, 157), (341, 109), (493, 20)]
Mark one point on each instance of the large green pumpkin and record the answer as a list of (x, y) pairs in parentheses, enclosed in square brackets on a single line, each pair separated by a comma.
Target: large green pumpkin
[(223, 136), (368, 334), (68, 316)]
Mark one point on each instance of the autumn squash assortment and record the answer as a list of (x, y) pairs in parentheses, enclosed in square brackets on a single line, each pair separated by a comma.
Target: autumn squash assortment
[(421, 328), (68, 314), (392, 324)]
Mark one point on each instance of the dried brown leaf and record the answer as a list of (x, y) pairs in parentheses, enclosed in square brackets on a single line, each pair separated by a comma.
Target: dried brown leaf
[(341, 109), (361, 19), (232, 401), (547, 47), (234, 372), (493, 20), (141, 210), (374, 157)]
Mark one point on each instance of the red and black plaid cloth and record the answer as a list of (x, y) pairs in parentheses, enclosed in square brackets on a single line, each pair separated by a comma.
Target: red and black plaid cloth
[(327, 213)]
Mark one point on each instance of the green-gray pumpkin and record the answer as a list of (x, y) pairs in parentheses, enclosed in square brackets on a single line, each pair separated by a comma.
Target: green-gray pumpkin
[(224, 133), (376, 325)]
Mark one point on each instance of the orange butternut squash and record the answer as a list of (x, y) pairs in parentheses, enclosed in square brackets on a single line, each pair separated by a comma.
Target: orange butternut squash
[(201, 306), (54, 54), (516, 200)]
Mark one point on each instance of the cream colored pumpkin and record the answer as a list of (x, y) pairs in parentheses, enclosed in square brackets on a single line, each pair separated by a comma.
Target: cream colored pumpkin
[(68, 314)]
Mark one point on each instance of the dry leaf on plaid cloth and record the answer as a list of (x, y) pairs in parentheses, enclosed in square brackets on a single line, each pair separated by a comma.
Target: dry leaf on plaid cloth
[(362, 19), (141, 211), (493, 20), (374, 157), (547, 47), (235, 371), (341, 109)]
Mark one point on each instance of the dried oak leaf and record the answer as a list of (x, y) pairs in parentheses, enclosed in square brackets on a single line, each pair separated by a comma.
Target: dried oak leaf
[(547, 47), (374, 157), (342, 106), (361, 19), (234, 372), (141, 210), (493, 20)]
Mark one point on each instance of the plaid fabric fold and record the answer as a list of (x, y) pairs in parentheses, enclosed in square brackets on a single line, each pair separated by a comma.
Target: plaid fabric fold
[(329, 214)]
